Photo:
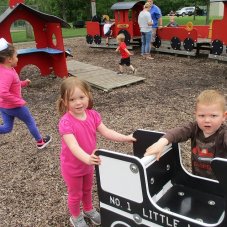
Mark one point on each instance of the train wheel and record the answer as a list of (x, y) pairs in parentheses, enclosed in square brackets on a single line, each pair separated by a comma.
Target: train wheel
[(175, 43), (217, 47), (89, 39), (188, 44), (157, 43), (127, 36), (97, 39)]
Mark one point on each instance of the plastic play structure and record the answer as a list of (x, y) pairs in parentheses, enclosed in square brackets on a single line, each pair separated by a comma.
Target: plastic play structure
[(186, 40), (126, 22), (190, 39), (49, 54), (140, 191)]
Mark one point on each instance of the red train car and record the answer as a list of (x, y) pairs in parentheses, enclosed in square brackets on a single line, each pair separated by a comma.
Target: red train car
[(189, 39), (126, 22), (185, 40)]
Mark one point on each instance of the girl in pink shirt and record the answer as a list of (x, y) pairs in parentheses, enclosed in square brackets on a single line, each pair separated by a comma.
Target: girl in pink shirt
[(11, 102), (77, 127)]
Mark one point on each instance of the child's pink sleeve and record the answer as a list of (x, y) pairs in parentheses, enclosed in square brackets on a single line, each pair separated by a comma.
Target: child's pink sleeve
[(24, 83), (98, 118), (65, 127)]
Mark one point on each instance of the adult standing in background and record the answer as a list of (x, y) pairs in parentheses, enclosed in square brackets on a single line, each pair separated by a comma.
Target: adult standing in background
[(156, 16), (145, 23)]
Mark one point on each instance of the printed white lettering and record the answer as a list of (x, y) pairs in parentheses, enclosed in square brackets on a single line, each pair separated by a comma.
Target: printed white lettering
[(175, 223), (167, 222), (111, 200), (115, 201), (129, 208), (155, 215), (146, 216), (150, 212), (162, 217)]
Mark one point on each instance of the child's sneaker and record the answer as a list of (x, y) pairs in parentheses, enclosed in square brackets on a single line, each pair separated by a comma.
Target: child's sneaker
[(134, 71), (78, 222), (150, 58), (45, 141), (94, 216)]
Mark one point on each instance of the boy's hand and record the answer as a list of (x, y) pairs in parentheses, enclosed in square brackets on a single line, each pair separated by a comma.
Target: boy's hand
[(157, 148)]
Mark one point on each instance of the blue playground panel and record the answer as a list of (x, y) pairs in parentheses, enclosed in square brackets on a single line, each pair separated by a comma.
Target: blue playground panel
[(39, 50)]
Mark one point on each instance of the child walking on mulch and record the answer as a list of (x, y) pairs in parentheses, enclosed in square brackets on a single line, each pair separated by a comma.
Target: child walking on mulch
[(77, 127), (125, 54), (11, 102)]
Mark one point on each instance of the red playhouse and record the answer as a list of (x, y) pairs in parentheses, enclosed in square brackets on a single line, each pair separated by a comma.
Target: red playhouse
[(126, 22), (49, 55)]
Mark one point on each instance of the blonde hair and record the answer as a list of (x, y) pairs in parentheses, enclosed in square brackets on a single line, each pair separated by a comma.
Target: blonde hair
[(147, 5), (67, 88), (121, 37), (209, 97), (7, 53)]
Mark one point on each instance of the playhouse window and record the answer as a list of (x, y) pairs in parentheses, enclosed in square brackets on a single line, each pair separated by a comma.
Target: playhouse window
[(24, 28)]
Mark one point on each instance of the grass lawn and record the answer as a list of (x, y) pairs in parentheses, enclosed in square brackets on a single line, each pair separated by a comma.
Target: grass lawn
[(199, 20), (20, 35)]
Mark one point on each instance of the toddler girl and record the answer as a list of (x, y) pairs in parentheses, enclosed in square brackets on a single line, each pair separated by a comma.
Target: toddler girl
[(77, 128)]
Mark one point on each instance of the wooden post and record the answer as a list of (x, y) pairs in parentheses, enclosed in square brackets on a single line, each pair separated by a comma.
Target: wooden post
[(93, 8), (208, 12), (29, 30)]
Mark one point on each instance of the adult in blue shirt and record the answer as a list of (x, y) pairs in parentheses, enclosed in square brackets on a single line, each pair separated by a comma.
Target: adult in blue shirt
[(156, 16)]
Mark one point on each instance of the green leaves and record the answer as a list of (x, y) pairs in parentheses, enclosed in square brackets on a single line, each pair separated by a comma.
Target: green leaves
[(72, 10)]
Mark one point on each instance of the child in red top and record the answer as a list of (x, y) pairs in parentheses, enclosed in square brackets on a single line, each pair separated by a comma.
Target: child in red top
[(125, 54)]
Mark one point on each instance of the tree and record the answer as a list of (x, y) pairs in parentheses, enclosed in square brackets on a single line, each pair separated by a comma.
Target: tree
[(72, 10)]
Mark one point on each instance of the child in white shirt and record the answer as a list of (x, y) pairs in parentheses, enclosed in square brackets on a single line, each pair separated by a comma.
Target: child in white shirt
[(107, 30)]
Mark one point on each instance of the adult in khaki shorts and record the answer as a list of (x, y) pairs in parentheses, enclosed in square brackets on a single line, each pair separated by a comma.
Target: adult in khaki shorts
[(156, 16)]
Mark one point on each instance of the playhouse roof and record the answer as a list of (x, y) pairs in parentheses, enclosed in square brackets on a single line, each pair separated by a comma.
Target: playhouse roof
[(43, 16), (125, 5)]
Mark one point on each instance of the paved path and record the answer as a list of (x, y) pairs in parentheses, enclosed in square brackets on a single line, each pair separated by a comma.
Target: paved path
[(99, 77)]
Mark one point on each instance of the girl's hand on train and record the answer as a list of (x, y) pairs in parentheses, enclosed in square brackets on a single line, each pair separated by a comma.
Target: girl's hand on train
[(94, 159)]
